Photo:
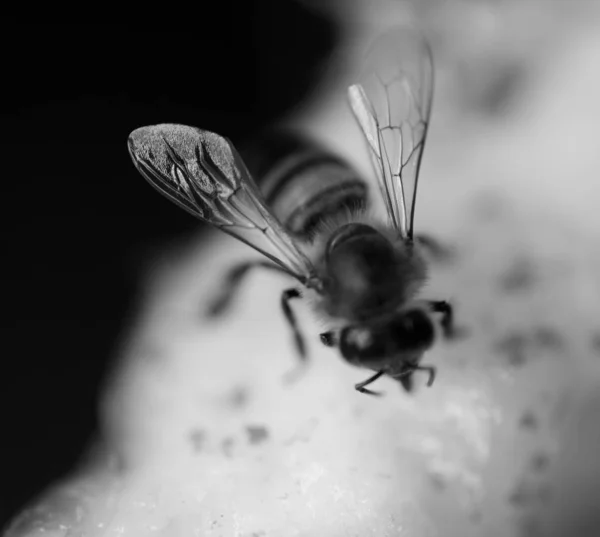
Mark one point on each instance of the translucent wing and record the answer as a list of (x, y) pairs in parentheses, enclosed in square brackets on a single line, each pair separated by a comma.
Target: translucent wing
[(202, 172), (392, 104)]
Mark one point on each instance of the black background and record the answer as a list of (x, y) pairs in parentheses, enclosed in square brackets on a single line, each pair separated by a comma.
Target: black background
[(79, 219)]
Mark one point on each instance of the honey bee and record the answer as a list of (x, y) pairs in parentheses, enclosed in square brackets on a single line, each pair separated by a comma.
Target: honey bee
[(313, 218)]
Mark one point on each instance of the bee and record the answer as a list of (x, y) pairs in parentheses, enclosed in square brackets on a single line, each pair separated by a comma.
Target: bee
[(360, 270)]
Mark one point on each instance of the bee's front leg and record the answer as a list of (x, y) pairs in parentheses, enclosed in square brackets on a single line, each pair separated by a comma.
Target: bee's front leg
[(231, 284), (429, 369), (287, 295), (361, 386), (447, 322)]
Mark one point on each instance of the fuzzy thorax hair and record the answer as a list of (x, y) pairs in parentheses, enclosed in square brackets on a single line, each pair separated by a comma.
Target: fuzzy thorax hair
[(408, 264)]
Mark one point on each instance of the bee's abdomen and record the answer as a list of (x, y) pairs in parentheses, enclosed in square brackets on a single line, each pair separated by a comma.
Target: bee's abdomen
[(303, 183), (311, 189)]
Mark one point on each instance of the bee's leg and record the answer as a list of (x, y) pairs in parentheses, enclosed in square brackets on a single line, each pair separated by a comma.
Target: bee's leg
[(231, 285), (429, 368), (436, 249), (361, 385), (405, 378), (448, 327), (328, 339), (447, 322), (407, 382), (287, 295)]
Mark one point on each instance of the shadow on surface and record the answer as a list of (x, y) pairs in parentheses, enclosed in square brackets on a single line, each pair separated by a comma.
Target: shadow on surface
[(83, 223)]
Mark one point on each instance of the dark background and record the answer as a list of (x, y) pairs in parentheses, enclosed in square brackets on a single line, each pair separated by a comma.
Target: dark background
[(80, 222)]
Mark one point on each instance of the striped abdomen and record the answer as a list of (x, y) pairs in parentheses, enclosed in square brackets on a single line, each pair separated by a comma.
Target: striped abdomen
[(302, 182)]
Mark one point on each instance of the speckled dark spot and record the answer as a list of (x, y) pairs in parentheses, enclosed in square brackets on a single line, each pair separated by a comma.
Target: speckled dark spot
[(475, 516), (520, 495), (520, 276), (503, 86), (549, 338), (514, 348), (528, 421), (258, 534), (227, 446), (539, 462), (518, 346), (529, 526), (197, 439), (528, 494), (257, 434), (239, 397), (437, 481)]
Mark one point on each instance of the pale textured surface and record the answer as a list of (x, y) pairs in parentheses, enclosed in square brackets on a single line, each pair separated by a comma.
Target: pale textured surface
[(211, 441), (204, 438)]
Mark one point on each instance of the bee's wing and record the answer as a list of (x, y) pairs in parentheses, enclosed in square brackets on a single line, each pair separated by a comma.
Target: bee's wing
[(203, 173), (392, 103)]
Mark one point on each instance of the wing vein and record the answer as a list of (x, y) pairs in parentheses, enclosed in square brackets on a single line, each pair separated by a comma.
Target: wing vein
[(391, 102)]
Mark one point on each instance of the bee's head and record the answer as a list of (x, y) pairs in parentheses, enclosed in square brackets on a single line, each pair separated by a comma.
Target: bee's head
[(362, 267)]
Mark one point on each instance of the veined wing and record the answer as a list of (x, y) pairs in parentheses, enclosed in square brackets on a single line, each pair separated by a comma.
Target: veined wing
[(203, 173), (392, 104)]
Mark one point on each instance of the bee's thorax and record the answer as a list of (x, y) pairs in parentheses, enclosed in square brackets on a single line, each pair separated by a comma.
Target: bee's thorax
[(366, 274)]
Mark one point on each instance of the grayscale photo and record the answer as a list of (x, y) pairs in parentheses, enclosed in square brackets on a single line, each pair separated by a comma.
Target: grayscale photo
[(299, 268)]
